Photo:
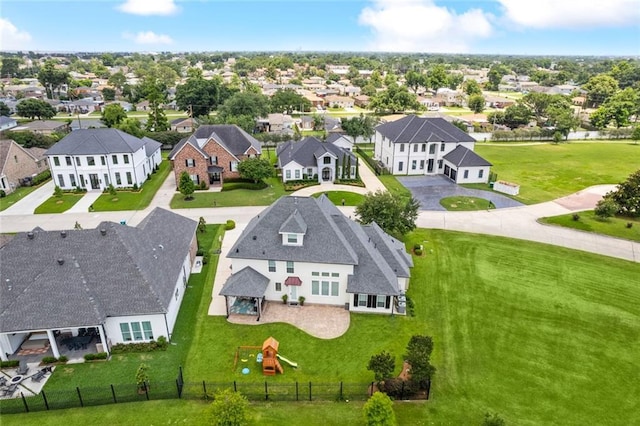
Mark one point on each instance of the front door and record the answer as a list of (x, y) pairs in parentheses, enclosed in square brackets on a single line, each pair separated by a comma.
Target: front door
[(95, 183), (430, 166), (293, 294), (326, 174)]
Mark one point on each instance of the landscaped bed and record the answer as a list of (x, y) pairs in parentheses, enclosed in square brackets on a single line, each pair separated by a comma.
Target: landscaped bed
[(619, 227), (462, 203)]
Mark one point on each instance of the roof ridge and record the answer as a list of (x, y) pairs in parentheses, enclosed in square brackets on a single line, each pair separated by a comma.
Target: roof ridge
[(411, 117)]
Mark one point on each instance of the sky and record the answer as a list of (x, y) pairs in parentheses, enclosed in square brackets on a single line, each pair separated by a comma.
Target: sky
[(513, 27)]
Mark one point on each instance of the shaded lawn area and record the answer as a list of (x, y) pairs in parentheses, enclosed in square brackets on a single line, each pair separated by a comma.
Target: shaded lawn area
[(17, 195), (336, 197), (589, 222), (58, 204), (462, 203), (236, 197), (549, 171), (129, 200), (394, 186)]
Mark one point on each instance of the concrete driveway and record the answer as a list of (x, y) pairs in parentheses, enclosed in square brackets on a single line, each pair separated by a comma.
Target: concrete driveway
[(429, 190)]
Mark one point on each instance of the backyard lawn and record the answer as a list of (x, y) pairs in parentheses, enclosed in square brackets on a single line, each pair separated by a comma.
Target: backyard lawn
[(17, 195), (394, 186), (58, 204), (588, 222), (237, 197), (129, 200), (462, 203), (336, 197), (549, 171), (536, 333)]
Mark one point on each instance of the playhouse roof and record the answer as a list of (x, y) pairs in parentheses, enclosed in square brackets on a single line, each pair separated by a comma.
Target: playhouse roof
[(270, 342)]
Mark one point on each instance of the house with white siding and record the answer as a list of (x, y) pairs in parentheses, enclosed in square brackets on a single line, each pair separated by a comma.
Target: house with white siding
[(304, 247), (95, 158), (312, 159)]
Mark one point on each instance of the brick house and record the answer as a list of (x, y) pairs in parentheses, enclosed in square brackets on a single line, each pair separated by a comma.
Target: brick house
[(212, 153), (17, 163)]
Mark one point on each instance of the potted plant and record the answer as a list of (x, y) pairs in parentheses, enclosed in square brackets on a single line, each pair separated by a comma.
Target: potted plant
[(301, 300), (142, 378), (285, 297)]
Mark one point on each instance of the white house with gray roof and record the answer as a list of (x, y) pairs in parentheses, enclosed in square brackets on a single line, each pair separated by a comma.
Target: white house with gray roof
[(305, 247), (124, 283), (312, 159), (429, 146), (94, 158)]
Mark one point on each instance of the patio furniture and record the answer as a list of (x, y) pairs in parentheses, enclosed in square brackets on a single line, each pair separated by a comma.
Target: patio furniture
[(10, 390), (23, 368), (3, 381), (39, 375)]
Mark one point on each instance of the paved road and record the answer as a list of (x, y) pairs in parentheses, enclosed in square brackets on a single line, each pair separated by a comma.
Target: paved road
[(429, 190)]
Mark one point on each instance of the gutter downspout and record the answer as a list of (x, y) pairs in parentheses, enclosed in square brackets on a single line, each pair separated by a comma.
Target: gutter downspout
[(166, 324)]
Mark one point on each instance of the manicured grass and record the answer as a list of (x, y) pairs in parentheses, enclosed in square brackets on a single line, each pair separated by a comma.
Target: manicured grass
[(461, 203), (394, 186), (613, 227), (17, 195), (336, 197), (58, 204), (549, 171), (237, 197), (129, 200)]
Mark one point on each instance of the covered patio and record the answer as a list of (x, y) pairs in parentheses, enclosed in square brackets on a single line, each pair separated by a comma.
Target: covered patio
[(244, 293)]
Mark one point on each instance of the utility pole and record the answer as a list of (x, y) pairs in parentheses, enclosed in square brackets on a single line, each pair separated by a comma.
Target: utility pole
[(191, 111)]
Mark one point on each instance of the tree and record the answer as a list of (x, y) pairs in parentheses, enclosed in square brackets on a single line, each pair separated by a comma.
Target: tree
[(202, 225), (52, 78), (418, 356), (117, 80), (249, 104), (4, 109), (394, 214), (496, 72), (492, 420), (112, 115), (186, 186), (229, 408), (471, 87), (438, 77), (635, 134), (476, 103), (378, 411), (10, 67), (109, 94), (394, 99), (627, 196), (131, 126), (415, 80), (318, 122), (288, 100), (32, 108), (382, 365), (255, 168), (618, 108), (198, 96), (359, 126), (599, 88), (606, 207), (516, 116)]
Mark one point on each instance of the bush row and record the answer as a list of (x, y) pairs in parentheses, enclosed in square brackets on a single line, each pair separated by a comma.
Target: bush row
[(52, 359), (294, 185), (230, 186), (94, 357), (155, 345)]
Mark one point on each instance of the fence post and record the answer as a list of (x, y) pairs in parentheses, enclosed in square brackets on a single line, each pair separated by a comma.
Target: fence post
[(402, 391), (113, 392), (266, 391), (341, 396), (79, 396), (24, 401), (204, 388), (428, 388), (146, 390), (297, 394), (371, 391), (178, 389), (44, 398), (309, 391), (235, 386)]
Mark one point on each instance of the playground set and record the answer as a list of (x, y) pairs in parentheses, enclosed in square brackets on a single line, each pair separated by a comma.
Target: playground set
[(268, 357)]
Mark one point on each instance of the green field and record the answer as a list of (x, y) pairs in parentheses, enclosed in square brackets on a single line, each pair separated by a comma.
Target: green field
[(588, 222), (549, 171), (58, 204), (462, 203), (336, 197), (237, 197)]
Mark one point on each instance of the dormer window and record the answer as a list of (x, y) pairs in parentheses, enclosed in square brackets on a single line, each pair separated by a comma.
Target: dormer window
[(293, 230), (292, 238)]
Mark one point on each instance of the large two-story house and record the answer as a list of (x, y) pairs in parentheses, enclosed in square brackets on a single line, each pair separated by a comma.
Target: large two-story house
[(305, 247), (313, 159), (429, 146), (93, 159), (213, 152), (17, 163)]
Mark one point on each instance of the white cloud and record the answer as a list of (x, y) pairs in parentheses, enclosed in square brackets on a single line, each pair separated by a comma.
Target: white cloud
[(11, 38), (421, 26), (583, 14), (149, 7), (148, 37)]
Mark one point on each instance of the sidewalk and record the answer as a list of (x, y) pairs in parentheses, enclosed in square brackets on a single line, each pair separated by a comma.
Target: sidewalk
[(87, 200), (29, 203)]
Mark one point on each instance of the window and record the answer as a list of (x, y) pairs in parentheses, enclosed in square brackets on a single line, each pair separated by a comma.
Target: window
[(335, 274), (289, 267), (272, 265), (190, 162), (137, 331), (91, 161), (325, 288), (146, 329), (310, 172), (432, 148), (125, 157), (61, 181), (78, 162), (195, 179), (287, 174), (335, 287), (103, 160), (292, 238), (177, 293), (72, 178), (106, 179), (56, 161), (214, 159), (480, 173), (278, 286), (315, 287), (414, 164), (233, 166), (297, 174), (381, 301), (326, 160), (114, 159), (126, 331), (118, 181), (439, 164), (129, 181), (415, 148), (400, 166), (421, 164), (362, 300), (424, 147), (68, 160), (82, 184), (442, 147), (466, 174), (401, 147)]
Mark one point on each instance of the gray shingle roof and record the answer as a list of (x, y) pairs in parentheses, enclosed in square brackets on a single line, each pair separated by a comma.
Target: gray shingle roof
[(150, 146), (236, 140), (413, 129), (391, 249), (96, 141), (307, 151), (128, 271), (247, 282), (294, 224), (191, 140), (464, 157)]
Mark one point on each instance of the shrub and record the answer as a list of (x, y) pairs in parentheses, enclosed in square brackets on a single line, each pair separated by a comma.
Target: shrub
[(49, 359), (57, 191), (135, 187), (202, 185), (606, 208), (200, 252), (155, 345), (112, 190), (2, 193), (378, 411), (97, 356), (63, 359), (382, 365), (230, 225), (575, 217), (411, 307), (41, 177), (629, 224), (418, 252), (229, 408), (399, 388), (231, 186), (10, 364)]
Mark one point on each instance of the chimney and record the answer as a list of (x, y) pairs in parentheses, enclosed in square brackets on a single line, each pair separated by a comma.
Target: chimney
[(30, 235), (63, 234), (103, 232), (60, 261)]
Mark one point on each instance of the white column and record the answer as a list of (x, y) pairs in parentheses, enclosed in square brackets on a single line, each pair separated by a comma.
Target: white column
[(103, 339), (3, 353), (54, 345)]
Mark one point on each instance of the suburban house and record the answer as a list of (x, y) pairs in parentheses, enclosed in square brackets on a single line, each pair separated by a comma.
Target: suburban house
[(275, 123), (429, 146), (184, 125), (305, 247), (341, 140), (115, 283), (213, 152), (7, 123), (44, 127), (95, 158), (335, 101), (17, 163), (312, 159)]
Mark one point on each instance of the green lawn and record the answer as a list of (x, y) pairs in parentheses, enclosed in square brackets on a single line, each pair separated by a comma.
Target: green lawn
[(394, 186), (58, 204), (336, 197), (613, 227), (129, 200), (237, 197), (549, 171), (537, 333), (17, 195), (462, 203)]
